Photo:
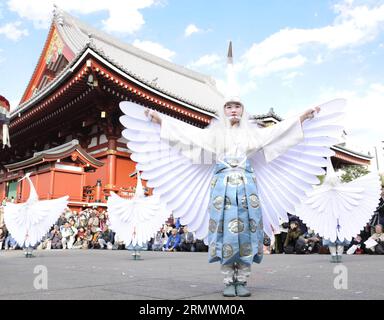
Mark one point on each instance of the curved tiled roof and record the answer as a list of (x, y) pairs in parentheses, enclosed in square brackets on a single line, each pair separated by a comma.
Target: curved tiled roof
[(177, 81), (59, 152)]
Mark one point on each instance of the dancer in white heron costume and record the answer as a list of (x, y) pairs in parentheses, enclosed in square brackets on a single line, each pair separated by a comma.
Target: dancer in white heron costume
[(231, 181), (338, 211), (28, 222), (136, 220)]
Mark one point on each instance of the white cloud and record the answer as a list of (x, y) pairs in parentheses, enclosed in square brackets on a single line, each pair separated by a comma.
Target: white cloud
[(2, 59), (364, 115), (359, 81), (13, 31), (291, 75), (123, 16), (14, 103), (155, 48), (191, 29), (288, 78), (246, 87), (319, 59), (208, 60), (377, 88), (354, 25)]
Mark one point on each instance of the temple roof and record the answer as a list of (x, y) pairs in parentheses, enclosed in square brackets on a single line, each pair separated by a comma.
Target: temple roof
[(342, 152), (190, 87), (343, 149), (70, 149), (271, 114)]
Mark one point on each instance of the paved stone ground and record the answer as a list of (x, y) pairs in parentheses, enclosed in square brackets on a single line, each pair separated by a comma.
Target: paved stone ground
[(103, 274)]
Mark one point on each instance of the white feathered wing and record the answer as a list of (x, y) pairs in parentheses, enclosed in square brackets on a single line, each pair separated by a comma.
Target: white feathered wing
[(282, 183), (182, 185), (30, 221), (136, 220), (185, 186), (337, 210)]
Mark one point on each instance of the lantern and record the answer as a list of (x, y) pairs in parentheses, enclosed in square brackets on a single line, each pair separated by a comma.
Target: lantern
[(4, 121)]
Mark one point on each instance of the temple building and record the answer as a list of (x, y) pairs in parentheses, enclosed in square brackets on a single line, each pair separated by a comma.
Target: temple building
[(66, 128)]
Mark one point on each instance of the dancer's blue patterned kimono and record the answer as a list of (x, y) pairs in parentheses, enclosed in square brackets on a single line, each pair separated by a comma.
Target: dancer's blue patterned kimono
[(235, 226)]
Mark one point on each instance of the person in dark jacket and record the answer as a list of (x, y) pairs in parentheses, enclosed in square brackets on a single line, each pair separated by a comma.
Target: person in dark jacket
[(293, 236), (55, 237), (188, 240), (105, 239)]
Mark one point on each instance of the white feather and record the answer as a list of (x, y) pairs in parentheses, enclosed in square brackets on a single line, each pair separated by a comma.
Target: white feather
[(181, 186), (30, 221), (282, 183), (136, 220), (349, 205)]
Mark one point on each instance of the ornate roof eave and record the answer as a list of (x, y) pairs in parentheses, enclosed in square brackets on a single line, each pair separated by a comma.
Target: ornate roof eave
[(135, 78), (46, 91), (351, 152), (54, 154), (39, 60), (271, 114), (91, 49)]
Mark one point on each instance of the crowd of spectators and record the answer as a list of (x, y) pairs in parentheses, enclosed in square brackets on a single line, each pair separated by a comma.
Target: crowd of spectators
[(175, 237), (89, 229)]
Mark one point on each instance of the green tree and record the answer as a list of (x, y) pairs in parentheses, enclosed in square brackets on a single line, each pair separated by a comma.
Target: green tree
[(353, 172)]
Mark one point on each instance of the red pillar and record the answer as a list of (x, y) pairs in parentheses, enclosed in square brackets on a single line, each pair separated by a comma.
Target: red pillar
[(111, 160), (98, 191)]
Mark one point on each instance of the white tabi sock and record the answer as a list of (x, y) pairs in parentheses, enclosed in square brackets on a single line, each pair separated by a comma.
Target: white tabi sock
[(332, 250)]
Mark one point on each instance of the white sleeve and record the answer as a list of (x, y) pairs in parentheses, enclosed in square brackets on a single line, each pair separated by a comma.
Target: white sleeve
[(277, 139), (177, 131)]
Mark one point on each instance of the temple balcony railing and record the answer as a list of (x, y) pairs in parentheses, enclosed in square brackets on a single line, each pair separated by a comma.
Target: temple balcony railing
[(90, 193)]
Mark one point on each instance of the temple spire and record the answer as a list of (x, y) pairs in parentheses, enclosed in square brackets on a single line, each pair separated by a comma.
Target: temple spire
[(230, 54)]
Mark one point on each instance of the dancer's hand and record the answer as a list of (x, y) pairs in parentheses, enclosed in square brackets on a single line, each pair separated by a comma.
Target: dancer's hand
[(153, 116), (309, 114)]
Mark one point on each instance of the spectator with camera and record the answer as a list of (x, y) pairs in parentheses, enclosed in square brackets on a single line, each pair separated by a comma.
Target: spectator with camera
[(294, 233), (378, 237), (309, 242), (79, 238), (55, 238)]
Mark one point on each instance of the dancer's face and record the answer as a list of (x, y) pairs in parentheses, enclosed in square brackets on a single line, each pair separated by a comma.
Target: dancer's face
[(233, 111)]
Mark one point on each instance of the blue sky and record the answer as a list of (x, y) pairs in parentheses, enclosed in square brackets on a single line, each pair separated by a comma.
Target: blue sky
[(290, 54)]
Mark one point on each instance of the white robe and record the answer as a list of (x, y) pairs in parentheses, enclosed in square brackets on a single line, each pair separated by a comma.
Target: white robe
[(273, 140)]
